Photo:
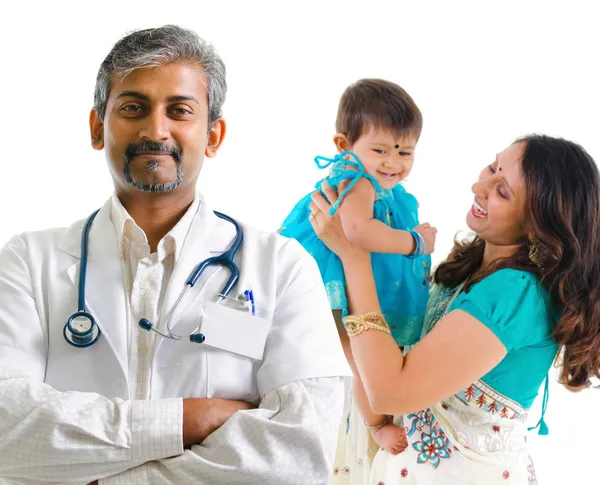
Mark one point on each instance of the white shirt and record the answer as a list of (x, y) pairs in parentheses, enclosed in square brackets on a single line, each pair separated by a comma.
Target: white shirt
[(49, 436), (146, 277)]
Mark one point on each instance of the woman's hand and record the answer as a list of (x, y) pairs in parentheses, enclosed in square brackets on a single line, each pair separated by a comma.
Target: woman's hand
[(329, 228)]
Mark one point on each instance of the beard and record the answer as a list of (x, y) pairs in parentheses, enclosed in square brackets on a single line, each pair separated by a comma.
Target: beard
[(152, 165)]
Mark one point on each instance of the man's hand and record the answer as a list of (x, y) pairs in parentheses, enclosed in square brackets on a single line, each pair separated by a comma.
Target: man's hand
[(203, 416)]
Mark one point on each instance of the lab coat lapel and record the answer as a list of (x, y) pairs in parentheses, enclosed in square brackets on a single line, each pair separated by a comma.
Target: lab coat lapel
[(104, 291)]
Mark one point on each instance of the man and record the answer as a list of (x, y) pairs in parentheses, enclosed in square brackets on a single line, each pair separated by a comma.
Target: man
[(122, 404)]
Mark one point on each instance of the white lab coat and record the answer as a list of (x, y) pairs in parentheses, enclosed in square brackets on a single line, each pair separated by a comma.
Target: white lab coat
[(38, 292)]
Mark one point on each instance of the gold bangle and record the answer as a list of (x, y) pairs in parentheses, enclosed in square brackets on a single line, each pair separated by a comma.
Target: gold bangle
[(355, 325)]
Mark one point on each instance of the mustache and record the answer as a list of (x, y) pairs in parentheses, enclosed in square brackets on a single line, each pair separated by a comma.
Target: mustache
[(152, 146)]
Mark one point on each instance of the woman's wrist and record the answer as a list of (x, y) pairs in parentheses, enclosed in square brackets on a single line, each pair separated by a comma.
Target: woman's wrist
[(355, 255)]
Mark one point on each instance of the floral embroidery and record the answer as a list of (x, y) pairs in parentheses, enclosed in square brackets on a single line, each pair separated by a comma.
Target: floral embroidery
[(404, 473), (496, 428), (336, 292), (426, 270), (432, 448), (380, 483), (420, 420), (346, 470), (336, 470), (506, 475), (360, 462)]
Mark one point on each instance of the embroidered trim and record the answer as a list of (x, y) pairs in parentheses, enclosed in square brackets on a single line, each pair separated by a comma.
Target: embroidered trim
[(484, 397)]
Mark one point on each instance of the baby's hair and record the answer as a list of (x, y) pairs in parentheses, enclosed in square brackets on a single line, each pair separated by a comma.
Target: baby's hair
[(379, 104)]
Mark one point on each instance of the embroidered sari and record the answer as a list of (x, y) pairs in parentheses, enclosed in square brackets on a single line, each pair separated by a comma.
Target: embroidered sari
[(477, 436)]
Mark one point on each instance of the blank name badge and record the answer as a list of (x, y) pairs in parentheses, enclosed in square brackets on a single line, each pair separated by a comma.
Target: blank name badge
[(234, 330)]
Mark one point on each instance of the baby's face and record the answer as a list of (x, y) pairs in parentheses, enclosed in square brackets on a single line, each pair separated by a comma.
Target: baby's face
[(387, 158)]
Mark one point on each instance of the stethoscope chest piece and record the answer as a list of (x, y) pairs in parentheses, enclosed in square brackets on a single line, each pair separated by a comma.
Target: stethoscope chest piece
[(81, 330)]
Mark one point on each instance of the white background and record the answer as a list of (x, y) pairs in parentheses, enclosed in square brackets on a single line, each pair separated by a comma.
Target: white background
[(482, 74)]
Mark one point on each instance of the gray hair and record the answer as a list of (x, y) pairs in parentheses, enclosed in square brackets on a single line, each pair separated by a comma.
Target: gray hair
[(156, 47)]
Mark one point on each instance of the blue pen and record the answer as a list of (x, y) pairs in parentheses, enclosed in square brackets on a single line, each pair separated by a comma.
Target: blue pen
[(250, 297)]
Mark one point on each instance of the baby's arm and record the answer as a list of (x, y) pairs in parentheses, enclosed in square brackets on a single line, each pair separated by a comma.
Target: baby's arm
[(356, 212)]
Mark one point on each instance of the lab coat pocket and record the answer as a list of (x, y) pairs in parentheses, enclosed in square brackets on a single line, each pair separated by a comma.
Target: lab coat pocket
[(235, 330), (235, 338)]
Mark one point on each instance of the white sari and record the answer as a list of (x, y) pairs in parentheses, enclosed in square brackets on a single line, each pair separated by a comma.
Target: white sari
[(476, 437)]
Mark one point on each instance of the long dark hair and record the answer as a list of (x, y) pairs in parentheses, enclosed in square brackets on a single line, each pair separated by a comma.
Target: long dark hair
[(563, 212)]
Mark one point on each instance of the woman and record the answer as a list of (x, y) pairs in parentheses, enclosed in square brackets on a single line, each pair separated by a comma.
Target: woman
[(503, 304)]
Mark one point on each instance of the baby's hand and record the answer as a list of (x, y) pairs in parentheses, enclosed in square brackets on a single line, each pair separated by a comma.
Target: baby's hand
[(391, 438), (428, 232)]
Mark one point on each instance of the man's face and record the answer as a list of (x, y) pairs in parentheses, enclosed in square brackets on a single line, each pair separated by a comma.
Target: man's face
[(155, 131)]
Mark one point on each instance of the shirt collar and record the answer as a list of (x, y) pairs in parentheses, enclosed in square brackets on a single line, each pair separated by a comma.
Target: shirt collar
[(126, 228)]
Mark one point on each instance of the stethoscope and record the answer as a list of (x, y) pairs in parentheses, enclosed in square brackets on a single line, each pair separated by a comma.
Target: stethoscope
[(81, 329)]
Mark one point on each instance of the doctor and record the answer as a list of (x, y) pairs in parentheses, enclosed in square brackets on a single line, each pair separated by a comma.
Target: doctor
[(127, 405)]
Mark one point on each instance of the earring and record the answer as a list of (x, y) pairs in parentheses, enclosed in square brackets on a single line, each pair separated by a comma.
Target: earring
[(534, 251)]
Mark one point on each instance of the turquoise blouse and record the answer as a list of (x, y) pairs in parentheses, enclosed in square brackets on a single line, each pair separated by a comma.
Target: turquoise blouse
[(515, 306)]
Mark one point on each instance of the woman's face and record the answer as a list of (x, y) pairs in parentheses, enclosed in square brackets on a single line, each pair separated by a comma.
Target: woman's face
[(498, 213)]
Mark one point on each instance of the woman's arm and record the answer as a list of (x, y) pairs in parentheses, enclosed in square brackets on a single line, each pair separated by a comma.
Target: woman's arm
[(358, 393), (455, 354), (386, 434)]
